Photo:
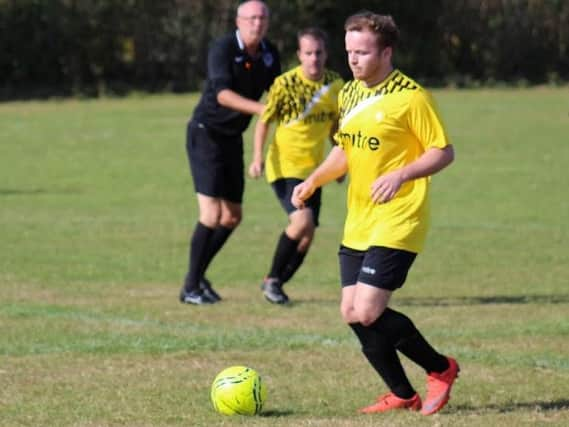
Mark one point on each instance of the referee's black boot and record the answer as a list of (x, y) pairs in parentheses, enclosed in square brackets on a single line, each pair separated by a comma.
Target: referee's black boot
[(208, 291), (273, 291), (194, 297)]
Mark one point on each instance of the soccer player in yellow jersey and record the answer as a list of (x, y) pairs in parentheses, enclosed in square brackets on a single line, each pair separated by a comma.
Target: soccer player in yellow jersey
[(391, 140), (304, 104)]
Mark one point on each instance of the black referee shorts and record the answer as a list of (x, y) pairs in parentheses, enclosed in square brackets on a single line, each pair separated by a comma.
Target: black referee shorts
[(283, 188), (382, 267), (216, 163)]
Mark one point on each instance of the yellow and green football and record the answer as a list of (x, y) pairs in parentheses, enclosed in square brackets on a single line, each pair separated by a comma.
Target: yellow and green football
[(238, 390)]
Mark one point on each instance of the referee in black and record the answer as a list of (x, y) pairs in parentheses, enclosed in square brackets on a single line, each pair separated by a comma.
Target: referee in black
[(240, 67)]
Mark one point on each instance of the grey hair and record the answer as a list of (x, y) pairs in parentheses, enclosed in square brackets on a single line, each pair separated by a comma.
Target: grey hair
[(240, 7)]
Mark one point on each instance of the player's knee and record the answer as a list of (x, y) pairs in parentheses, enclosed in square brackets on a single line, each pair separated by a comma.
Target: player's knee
[(349, 314), (300, 227), (366, 315), (346, 311), (366, 319), (304, 243), (307, 227), (231, 220), (210, 217)]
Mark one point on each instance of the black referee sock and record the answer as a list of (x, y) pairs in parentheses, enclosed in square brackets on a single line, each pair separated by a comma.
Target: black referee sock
[(216, 242), (405, 337), (198, 249), (381, 354), (286, 247), (294, 263)]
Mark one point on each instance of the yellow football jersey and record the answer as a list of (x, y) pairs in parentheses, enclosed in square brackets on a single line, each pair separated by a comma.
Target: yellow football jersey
[(381, 129), (304, 111)]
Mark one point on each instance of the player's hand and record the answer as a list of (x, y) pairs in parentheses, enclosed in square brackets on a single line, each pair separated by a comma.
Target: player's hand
[(386, 186), (300, 193), (256, 168)]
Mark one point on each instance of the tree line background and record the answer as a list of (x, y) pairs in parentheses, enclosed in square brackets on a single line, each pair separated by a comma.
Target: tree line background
[(96, 47)]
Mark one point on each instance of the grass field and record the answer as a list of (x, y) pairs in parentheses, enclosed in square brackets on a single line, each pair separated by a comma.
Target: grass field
[(96, 207)]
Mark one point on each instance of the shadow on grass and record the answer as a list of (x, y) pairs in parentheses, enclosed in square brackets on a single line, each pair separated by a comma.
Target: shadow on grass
[(35, 191), (15, 192), (276, 413), (446, 302), (301, 303), (555, 405), (497, 299)]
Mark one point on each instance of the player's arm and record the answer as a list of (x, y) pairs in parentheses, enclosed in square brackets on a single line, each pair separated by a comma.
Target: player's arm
[(219, 68), (260, 137), (425, 123), (333, 130), (432, 161), (429, 163), (269, 114), (231, 99), (334, 166)]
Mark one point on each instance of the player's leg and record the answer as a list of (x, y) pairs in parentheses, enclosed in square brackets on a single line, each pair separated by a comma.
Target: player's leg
[(300, 229), (210, 212), (229, 185), (389, 268), (297, 258), (231, 215), (300, 233), (285, 247), (361, 305), (272, 284), (406, 338), (207, 172), (229, 218)]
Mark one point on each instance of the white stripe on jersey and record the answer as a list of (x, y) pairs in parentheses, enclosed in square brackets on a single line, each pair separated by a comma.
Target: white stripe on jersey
[(358, 108), (310, 106)]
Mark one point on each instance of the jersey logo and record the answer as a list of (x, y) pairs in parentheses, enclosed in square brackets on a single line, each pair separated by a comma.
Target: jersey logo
[(359, 108), (311, 104), (358, 140), (268, 59)]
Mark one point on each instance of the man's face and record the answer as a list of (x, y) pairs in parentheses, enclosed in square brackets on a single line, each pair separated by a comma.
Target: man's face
[(253, 22), (312, 56), (366, 60)]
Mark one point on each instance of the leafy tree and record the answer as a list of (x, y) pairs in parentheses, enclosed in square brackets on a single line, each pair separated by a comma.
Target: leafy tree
[(74, 47)]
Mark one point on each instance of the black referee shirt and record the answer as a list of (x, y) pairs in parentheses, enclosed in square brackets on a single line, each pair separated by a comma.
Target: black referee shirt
[(230, 67)]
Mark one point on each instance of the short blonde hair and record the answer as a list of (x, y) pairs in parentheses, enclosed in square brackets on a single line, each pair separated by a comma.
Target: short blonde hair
[(314, 32)]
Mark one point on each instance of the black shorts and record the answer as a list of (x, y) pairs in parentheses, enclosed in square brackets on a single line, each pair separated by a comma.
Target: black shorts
[(283, 188), (216, 163), (382, 267)]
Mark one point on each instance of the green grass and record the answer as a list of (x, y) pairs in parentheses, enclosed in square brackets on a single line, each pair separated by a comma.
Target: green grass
[(96, 208)]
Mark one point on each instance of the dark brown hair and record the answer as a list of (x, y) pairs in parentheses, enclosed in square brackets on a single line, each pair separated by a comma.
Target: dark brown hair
[(382, 25)]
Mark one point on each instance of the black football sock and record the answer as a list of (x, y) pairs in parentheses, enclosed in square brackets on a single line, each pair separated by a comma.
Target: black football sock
[(408, 340), (286, 247), (381, 354), (198, 248), (294, 263), (216, 242)]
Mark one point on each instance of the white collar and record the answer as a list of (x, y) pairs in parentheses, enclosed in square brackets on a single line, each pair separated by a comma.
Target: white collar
[(242, 45)]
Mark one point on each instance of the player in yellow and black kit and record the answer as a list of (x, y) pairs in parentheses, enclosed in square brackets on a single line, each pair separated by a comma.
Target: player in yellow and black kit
[(391, 140), (303, 103)]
